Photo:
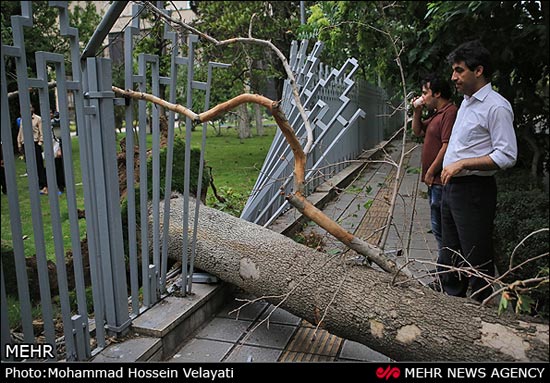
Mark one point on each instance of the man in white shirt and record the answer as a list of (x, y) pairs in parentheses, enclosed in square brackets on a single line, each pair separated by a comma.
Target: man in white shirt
[(482, 141)]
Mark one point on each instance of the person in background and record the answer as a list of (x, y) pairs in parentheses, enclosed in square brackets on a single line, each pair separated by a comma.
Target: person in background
[(38, 138), (482, 142), (436, 130), (20, 142), (57, 152)]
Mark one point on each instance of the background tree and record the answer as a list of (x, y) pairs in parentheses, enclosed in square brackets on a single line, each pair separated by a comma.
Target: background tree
[(259, 69)]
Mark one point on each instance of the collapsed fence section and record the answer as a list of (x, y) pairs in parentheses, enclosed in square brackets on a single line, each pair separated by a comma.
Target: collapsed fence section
[(346, 117)]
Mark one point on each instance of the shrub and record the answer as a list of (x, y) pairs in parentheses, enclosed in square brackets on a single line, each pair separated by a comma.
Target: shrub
[(178, 171), (231, 201), (522, 208)]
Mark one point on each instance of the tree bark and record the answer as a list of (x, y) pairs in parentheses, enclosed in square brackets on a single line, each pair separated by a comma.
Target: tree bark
[(259, 120), (405, 322), (244, 122)]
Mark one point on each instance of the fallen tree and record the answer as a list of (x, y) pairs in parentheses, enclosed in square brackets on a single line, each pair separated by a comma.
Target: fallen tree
[(405, 322)]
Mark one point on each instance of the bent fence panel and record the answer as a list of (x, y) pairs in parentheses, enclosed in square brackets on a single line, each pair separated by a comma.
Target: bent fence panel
[(346, 117)]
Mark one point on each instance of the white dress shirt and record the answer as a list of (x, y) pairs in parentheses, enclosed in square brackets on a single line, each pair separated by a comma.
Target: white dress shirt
[(483, 126)]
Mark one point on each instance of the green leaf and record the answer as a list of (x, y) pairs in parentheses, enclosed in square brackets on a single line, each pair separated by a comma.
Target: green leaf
[(503, 305), (368, 204), (524, 305)]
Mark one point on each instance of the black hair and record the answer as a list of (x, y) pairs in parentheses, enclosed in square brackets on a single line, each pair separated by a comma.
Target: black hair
[(473, 53), (438, 85)]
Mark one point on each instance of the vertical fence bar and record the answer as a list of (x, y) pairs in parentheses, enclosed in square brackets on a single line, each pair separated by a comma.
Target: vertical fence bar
[(142, 86), (84, 114), (208, 85), (15, 215), (130, 180), (172, 82), (155, 163), (114, 263), (42, 74), (64, 87), (5, 334), (191, 39)]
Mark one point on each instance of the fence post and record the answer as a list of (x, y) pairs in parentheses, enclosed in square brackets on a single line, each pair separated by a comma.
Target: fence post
[(109, 261)]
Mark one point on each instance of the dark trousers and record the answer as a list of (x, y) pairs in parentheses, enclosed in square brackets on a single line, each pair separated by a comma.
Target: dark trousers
[(434, 197), (42, 180), (468, 208)]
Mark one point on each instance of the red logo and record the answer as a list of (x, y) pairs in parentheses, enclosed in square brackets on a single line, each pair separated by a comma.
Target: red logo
[(389, 372)]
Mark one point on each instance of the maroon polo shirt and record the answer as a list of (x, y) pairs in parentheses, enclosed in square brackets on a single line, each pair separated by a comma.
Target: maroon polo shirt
[(437, 130)]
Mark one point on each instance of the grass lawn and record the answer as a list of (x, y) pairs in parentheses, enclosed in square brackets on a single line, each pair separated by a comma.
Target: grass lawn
[(25, 209), (235, 165)]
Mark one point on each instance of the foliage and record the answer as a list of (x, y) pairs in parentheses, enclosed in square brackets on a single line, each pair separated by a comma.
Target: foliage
[(43, 36), (276, 21), (522, 209), (233, 201)]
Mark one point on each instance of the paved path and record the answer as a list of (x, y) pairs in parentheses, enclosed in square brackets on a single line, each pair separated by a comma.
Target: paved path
[(361, 208)]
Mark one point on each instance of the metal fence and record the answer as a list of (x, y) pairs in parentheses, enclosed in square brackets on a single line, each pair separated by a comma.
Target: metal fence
[(123, 282), (346, 119)]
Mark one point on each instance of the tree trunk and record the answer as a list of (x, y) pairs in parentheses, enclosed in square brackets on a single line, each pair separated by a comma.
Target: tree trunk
[(244, 121), (406, 322), (259, 120)]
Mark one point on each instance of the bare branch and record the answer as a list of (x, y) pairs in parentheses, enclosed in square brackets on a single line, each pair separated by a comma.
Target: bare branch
[(250, 26), (51, 84), (521, 243)]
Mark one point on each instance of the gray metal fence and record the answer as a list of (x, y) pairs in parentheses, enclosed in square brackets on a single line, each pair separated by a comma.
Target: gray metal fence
[(346, 118), (117, 293)]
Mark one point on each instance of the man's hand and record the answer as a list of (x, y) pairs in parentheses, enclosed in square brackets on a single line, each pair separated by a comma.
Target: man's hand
[(429, 178), (450, 171)]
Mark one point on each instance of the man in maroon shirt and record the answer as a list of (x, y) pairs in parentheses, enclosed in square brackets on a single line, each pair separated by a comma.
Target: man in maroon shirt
[(436, 130)]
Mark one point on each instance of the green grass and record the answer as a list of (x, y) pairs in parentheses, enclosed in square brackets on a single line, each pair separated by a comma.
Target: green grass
[(235, 164), (25, 210), (235, 167)]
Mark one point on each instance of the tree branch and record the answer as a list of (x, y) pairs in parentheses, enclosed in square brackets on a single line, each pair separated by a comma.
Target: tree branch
[(296, 198)]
